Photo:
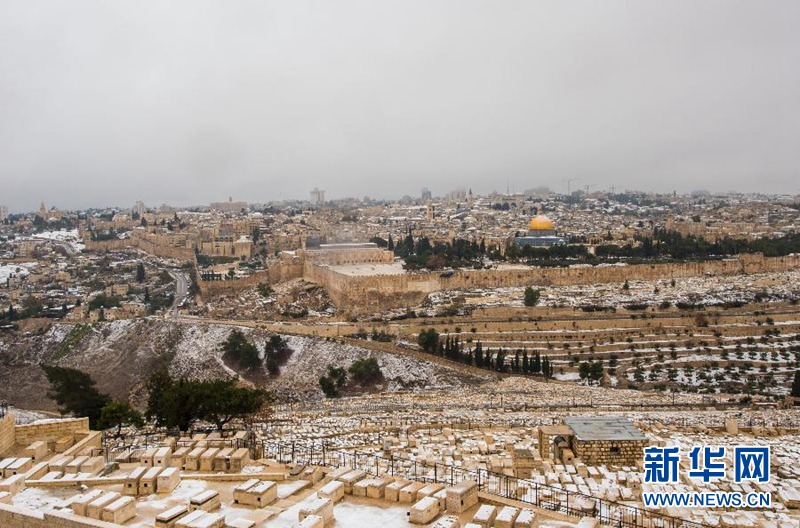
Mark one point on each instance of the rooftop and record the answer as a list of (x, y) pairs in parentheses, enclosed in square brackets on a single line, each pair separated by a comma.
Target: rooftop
[(599, 428)]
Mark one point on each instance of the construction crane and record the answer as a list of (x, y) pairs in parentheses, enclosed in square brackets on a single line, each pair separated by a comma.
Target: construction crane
[(569, 184)]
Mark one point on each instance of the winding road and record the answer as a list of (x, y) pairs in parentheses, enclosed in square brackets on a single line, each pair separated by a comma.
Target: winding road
[(181, 290)]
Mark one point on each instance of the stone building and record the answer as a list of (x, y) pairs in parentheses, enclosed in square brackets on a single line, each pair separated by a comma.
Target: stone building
[(317, 197), (228, 207), (228, 246), (606, 440), (342, 254)]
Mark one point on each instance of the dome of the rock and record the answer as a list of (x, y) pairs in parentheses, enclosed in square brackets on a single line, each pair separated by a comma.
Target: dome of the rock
[(540, 222)]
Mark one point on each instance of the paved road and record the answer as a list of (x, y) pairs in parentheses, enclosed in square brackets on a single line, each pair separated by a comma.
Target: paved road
[(181, 290)]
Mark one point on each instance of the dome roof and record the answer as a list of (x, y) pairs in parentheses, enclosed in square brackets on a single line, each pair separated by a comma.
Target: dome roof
[(540, 222)]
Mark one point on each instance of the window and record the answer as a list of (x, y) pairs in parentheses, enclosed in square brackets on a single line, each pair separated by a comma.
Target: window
[(614, 450)]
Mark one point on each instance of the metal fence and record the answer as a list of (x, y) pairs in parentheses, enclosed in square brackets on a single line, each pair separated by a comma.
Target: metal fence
[(528, 491), (343, 406)]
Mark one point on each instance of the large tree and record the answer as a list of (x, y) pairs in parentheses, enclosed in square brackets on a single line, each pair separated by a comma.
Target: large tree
[(179, 403), (366, 371), (75, 392), (222, 401), (531, 296), (796, 384), (428, 339), (140, 275), (241, 350), (117, 414)]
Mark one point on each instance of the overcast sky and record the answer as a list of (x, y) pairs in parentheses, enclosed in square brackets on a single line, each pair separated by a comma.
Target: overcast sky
[(185, 102)]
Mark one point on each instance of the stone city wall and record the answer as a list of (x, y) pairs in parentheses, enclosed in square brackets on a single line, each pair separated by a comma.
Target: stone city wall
[(50, 430), (282, 271), (366, 293), (7, 436), (377, 292), (18, 517), (139, 242), (373, 292), (160, 250)]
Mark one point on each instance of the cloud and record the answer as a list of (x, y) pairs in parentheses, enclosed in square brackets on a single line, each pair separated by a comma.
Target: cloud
[(191, 101)]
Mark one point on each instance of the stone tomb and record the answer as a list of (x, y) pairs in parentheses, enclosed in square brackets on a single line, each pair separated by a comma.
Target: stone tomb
[(36, 451), (207, 459), (192, 462), (162, 457), (18, 466), (222, 460), (168, 480), (371, 487), (392, 491), (120, 511), (207, 500), (255, 493), (80, 504), (409, 493), (131, 484), (485, 516), (526, 519), (312, 521), (506, 517), (462, 496), (449, 521), (333, 490), (13, 485), (350, 478), (320, 507), (149, 482), (168, 518), (95, 508), (239, 460), (178, 458), (201, 519), (424, 511)]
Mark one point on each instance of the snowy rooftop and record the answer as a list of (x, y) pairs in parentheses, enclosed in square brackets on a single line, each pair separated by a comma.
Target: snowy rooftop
[(600, 428)]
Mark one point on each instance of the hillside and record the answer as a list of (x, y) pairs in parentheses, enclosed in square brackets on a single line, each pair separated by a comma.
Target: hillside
[(120, 355)]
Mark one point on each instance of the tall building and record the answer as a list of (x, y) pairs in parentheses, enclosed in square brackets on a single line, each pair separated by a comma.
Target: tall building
[(426, 193), (45, 214), (317, 197), (3, 212), (138, 208)]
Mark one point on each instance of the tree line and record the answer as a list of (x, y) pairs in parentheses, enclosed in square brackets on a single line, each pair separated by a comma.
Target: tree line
[(663, 245), (500, 360)]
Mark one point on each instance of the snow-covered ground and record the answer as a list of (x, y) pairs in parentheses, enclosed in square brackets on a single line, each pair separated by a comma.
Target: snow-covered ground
[(71, 238), (769, 287), (15, 270)]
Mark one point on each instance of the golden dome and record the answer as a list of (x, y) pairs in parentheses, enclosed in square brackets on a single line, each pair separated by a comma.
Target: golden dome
[(540, 222)]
